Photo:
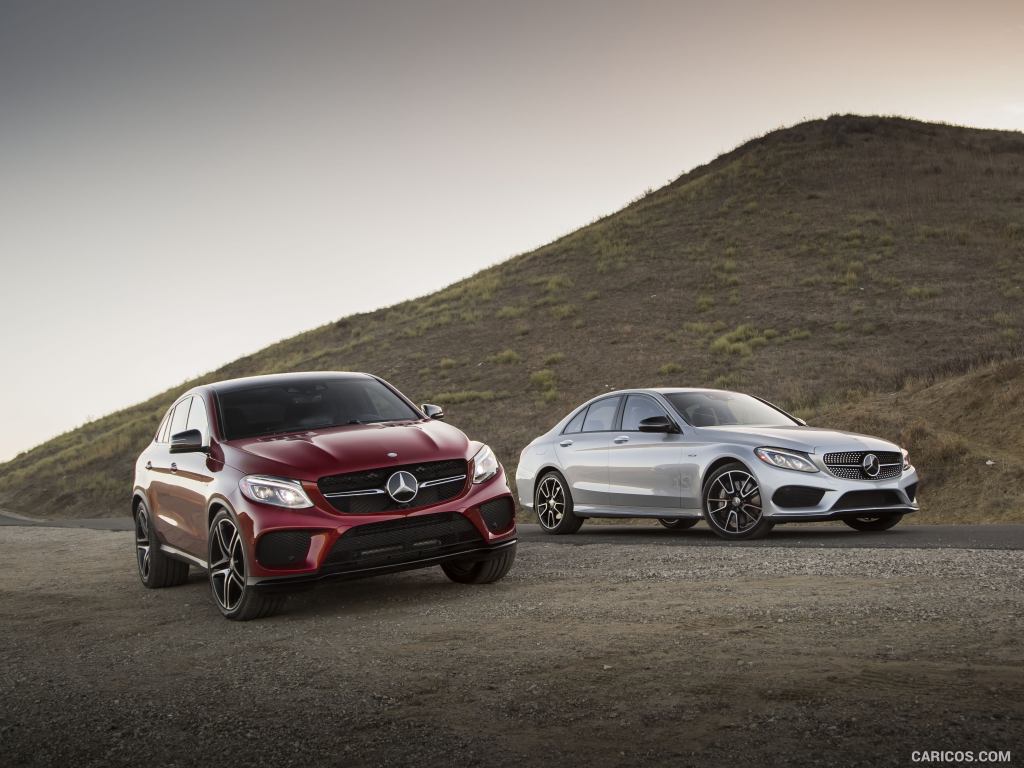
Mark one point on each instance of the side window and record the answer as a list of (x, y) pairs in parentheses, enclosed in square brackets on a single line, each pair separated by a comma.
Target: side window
[(576, 424), (601, 415), (197, 418), (164, 428), (180, 417), (638, 408)]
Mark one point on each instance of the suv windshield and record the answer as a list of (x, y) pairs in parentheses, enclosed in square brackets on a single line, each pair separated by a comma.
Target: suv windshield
[(720, 409), (269, 409)]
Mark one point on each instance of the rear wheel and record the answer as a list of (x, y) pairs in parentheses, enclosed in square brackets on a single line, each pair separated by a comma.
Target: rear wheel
[(873, 522), (156, 569), (235, 598), (678, 524), (554, 506), (732, 504), (480, 571)]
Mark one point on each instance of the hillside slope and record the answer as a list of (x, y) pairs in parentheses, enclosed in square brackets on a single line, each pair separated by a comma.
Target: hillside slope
[(813, 265)]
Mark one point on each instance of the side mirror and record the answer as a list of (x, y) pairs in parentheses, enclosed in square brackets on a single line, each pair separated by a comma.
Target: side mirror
[(433, 411), (189, 441), (658, 424)]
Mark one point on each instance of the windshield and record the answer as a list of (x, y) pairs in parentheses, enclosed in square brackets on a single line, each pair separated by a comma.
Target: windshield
[(269, 409), (720, 409)]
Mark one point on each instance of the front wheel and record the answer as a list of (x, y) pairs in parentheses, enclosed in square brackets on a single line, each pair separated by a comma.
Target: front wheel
[(678, 524), (873, 522), (235, 598), (732, 504), (480, 571), (554, 505)]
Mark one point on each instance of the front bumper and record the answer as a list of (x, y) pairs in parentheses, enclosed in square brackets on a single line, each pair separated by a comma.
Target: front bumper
[(290, 548), (789, 496)]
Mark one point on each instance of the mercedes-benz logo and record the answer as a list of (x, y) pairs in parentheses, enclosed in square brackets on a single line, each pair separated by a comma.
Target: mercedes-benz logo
[(403, 486), (870, 465)]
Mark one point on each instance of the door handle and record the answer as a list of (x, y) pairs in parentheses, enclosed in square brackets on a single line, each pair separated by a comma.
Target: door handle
[(565, 443), (621, 439), (174, 467), (149, 465)]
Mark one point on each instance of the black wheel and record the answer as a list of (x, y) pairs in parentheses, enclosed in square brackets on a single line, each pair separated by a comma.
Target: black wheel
[(480, 571), (228, 574), (553, 504), (732, 504), (873, 522), (156, 570), (677, 524)]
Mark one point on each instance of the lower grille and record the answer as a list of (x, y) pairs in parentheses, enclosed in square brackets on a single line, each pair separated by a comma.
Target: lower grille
[(283, 549), (869, 500), (790, 496), (364, 493), (498, 514), (849, 465), (396, 541)]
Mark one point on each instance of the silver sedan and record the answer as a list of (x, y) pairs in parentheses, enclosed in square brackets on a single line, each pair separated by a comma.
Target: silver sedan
[(736, 461)]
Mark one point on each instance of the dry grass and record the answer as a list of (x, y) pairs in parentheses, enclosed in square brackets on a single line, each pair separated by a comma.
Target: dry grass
[(857, 268)]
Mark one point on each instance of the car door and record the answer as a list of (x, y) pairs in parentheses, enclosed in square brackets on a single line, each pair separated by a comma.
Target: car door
[(193, 480), (163, 469), (583, 455), (645, 468)]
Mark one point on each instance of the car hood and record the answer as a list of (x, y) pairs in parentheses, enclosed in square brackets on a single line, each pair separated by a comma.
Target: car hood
[(808, 439), (354, 448)]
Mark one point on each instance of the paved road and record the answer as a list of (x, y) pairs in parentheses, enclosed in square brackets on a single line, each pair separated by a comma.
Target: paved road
[(818, 535)]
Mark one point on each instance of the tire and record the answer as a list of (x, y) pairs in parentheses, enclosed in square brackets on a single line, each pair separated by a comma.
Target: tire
[(678, 524), (552, 501), (480, 571), (732, 504), (228, 574), (156, 569), (873, 522)]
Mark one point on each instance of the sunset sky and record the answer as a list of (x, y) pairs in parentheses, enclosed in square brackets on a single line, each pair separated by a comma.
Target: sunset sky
[(182, 183)]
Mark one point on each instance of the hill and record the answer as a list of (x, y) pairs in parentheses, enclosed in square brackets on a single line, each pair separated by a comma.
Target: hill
[(821, 266)]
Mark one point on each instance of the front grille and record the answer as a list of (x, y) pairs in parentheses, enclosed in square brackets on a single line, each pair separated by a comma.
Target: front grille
[(869, 500), (398, 541), (498, 514), (283, 549), (364, 493), (848, 464)]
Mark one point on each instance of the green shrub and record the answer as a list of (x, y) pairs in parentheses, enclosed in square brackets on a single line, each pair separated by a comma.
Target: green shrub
[(669, 368), (562, 311), (505, 357), (554, 359)]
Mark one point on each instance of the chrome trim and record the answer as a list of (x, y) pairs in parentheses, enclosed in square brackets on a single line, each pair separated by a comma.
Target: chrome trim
[(442, 481), (367, 492), (178, 553)]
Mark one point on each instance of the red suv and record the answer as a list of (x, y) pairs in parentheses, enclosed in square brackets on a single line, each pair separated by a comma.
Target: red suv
[(270, 483)]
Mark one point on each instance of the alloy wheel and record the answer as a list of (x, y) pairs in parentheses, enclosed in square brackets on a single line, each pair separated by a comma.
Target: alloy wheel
[(142, 545), (550, 502), (227, 564), (734, 501)]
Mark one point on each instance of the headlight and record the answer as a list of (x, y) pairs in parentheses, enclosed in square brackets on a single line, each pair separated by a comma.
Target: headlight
[(786, 459), (274, 490), (906, 459), (485, 465)]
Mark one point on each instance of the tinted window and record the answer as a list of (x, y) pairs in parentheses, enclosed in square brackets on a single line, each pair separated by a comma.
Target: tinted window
[(197, 417), (165, 426), (576, 424), (312, 404), (601, 415), (638, 408), (180, 418), (713, 409)]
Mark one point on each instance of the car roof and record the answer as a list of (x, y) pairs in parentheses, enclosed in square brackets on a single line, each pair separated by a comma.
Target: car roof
[(272, 379), (659, 391)]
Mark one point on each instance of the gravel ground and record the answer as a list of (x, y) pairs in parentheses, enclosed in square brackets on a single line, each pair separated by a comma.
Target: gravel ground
[(605, 655)]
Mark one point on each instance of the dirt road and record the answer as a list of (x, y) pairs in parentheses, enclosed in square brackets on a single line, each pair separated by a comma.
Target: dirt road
[(619, 652)]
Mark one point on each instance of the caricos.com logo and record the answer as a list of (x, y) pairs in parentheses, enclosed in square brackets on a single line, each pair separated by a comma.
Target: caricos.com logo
[(960, 756)]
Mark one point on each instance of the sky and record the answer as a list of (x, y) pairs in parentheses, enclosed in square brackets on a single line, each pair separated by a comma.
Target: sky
[(182, 183)]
